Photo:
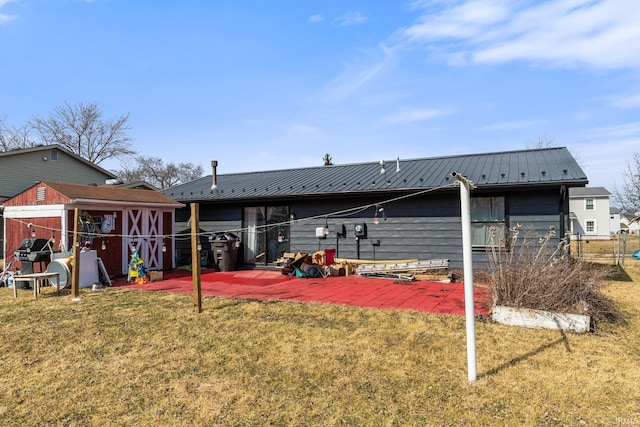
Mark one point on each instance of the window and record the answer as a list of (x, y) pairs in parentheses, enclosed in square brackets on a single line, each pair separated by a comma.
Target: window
[(590, 226), (589, 204), (487, 212)]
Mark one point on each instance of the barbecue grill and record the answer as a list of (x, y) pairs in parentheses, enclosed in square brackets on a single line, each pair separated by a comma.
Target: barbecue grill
[(33, 251)]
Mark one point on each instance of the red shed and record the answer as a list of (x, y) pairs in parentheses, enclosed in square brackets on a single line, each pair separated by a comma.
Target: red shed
[(113, 220)]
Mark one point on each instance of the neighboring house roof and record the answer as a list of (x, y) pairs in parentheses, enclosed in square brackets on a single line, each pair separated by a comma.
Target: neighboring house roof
[(90, 193), (614, 211), (588, 192), (138, 185), (534, 167), (44, 148)]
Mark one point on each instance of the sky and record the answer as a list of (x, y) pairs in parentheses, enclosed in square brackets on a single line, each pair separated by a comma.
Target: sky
[(263, 85)]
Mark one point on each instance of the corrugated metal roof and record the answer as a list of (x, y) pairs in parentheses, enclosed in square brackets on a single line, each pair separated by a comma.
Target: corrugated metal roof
[(545, 166)]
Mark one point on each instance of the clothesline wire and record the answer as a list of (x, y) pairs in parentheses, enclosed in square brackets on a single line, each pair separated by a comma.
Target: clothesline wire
[(265, 227)]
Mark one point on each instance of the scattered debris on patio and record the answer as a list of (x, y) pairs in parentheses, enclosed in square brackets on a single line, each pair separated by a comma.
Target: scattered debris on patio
[(405, 270)]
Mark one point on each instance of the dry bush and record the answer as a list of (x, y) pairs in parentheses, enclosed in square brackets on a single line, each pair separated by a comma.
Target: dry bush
[(526, 271)]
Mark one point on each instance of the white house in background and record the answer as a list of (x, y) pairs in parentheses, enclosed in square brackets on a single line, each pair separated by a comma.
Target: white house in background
[(614, 219), (590, 213), (629, 224)]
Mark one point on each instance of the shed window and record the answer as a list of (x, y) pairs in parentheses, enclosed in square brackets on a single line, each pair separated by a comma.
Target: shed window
[(487, 213), (589, 204), (54, 154)]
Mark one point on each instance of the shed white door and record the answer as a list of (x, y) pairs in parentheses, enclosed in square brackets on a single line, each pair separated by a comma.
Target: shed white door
[(143, 232)]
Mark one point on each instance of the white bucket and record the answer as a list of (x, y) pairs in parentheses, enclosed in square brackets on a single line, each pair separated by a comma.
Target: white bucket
[(63, 268)]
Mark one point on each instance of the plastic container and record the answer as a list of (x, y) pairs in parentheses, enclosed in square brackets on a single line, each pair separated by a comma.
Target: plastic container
[(225, 251)]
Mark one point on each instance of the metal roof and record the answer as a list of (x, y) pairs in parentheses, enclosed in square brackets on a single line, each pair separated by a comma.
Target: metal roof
[(544, 166)]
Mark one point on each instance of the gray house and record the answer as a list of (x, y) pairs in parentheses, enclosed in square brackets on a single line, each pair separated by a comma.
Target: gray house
[(24, 167), (396, 209)]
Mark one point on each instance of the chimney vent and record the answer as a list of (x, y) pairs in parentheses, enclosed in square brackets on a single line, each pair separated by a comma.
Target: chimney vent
[(214, 174)]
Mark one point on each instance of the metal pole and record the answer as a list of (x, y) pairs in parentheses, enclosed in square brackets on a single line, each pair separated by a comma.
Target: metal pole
[(469, 304)]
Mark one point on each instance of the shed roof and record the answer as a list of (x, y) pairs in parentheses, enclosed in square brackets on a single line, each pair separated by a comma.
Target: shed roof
[(92, 193), (545, 166)]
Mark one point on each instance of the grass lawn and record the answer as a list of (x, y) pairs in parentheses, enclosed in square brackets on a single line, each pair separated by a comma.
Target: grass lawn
[(128, 357)]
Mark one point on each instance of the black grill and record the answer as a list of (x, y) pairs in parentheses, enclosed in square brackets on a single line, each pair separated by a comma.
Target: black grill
[(33, 251)]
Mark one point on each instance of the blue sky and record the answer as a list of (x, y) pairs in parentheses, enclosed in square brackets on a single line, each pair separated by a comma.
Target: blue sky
[(261, 85)]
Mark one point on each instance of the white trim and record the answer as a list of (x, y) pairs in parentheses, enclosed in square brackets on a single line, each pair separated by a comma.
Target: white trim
[(594, 204), (35, 211)]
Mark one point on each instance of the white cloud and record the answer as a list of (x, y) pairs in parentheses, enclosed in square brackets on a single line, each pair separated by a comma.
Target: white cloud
[(625, 101), (302, 128), (410, 116), (624, 130), (512, 125), (355, 76), (316, 18), (4, 18), (566, 33), (461, 21), (350, 18)]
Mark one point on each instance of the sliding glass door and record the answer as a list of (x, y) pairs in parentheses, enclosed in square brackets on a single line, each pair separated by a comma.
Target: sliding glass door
[(266, 233)]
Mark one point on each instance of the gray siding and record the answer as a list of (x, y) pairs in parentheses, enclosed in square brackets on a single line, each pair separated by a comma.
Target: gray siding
[(423, 227), (23, 170)]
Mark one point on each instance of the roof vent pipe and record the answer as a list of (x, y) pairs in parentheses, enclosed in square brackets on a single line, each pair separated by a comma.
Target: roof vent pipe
[(214, 174)]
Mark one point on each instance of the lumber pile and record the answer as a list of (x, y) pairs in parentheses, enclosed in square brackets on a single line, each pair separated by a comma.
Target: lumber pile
[(405, 270)]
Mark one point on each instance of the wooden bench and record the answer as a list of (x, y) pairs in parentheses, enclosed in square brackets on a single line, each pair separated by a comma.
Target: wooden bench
[(38, 280)]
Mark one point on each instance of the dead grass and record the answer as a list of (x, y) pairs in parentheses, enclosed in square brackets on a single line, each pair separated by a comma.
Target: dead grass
[(125, 357)]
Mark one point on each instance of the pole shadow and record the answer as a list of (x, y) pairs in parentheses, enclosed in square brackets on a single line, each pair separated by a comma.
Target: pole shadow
[(516, 360)]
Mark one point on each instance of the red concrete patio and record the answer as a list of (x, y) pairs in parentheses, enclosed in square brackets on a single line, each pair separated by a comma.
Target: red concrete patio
[(432, 297)]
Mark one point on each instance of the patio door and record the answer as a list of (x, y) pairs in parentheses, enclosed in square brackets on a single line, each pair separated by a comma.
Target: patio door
[(266, 235)]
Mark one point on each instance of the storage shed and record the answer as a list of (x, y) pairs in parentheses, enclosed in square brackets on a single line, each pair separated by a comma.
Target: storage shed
[(113, 222)]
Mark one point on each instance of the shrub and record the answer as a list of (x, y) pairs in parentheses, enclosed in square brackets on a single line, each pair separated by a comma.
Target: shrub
[(527, 271)]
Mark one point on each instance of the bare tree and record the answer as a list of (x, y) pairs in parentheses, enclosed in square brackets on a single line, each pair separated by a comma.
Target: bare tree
[(545, 142), (153, 171), (14, 137), (328, 161), (627, 195), (82, 130), (542, 142)]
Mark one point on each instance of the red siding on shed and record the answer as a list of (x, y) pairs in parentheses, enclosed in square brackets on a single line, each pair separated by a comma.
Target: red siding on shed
[(17, 231), (29, 197), (111, 256)]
